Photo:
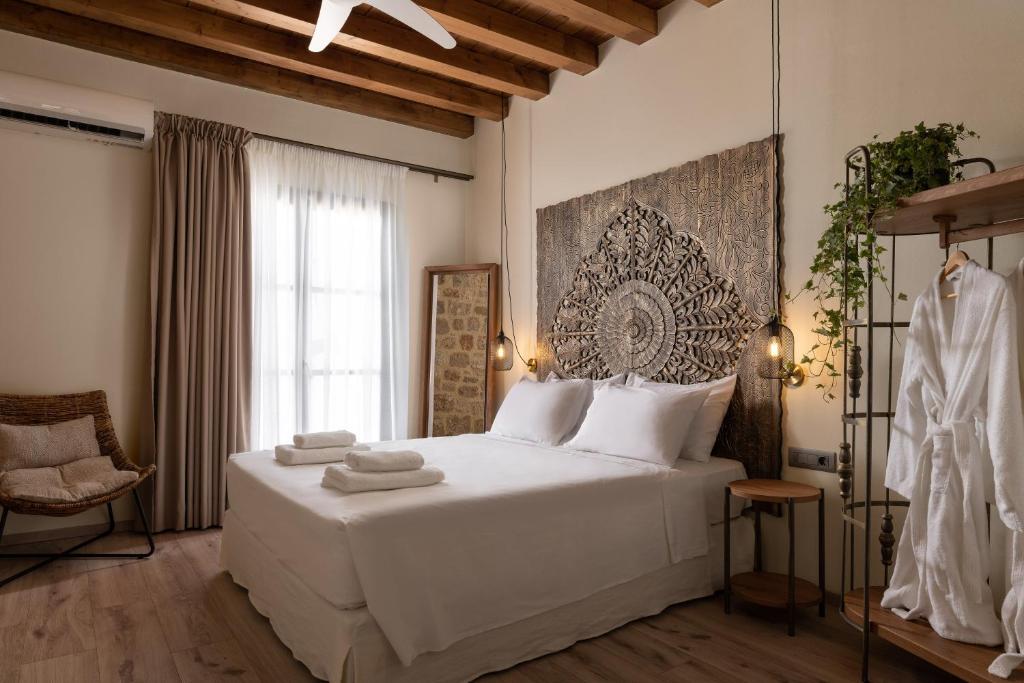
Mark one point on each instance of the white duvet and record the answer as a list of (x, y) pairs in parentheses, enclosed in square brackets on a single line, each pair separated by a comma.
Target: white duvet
[(513, 531)]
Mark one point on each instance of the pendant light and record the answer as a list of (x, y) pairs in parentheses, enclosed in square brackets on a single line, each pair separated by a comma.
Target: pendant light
[(502, 352), (773, 343), (505, 348)]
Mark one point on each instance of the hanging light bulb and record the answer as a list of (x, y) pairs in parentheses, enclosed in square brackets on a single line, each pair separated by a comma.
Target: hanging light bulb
[(502, 358), (505, 349), (773, 343)]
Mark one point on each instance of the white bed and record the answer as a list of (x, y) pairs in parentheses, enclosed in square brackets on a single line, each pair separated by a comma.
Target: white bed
[(522, 551)]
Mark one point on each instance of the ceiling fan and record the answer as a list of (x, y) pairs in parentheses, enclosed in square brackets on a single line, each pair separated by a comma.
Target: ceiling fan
[(334, 14)]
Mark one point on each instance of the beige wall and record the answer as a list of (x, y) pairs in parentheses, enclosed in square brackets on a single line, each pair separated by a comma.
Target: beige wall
[(436, 219), (850, 69), (74, 229), (74, 274)]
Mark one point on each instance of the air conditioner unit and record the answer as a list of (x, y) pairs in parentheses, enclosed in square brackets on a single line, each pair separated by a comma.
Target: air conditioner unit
[(43, 106)]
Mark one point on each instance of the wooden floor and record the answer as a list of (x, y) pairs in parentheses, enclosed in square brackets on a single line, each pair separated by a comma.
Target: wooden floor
[(177, 617)]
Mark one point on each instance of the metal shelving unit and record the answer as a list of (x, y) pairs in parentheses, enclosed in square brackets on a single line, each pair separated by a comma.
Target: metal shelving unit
[(980, 208)]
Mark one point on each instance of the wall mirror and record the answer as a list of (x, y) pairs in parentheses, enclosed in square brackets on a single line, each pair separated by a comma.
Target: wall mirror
[(462, 312)]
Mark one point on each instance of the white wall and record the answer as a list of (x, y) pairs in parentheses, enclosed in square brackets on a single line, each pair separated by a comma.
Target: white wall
[(74, 231), (850, 69)]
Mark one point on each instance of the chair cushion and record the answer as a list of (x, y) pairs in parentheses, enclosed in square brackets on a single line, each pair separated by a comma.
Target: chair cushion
[(69, 483), (49, 445)]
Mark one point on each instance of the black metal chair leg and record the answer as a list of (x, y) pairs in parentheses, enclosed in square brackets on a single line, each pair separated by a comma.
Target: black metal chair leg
[(67, 553), (70, 553), (145, 524)]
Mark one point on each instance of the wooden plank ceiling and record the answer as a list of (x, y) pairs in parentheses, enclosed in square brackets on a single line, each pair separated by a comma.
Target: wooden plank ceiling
[(376, 67)]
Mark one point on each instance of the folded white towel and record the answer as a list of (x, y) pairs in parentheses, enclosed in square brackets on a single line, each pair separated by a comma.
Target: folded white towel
[(384, 461), (350, 481), (291, 455), (341, 437)]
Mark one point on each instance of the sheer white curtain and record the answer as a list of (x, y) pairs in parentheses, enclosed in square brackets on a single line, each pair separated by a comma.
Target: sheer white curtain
[(330, 316)]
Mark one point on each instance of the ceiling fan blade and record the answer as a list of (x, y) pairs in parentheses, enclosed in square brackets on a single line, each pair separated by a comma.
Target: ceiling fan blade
[(413, 16), (333, 15)]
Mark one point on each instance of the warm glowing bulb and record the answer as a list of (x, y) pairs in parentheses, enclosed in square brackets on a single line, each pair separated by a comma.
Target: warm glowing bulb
[(500, 353), (774, 347)]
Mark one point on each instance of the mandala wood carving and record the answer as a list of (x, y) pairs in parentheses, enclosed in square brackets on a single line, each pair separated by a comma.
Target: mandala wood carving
[(646, 301), (668, 276)]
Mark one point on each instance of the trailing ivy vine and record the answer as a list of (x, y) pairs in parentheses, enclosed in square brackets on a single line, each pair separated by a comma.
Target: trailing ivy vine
[(913, 161)]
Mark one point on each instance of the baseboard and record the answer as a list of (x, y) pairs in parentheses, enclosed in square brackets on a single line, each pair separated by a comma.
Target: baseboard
[(64, 532)]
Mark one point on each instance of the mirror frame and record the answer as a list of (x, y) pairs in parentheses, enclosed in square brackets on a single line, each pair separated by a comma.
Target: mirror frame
[(493, 324)]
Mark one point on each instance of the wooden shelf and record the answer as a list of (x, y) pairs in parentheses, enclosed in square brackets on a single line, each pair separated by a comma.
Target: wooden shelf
[(771, 590), (966, 661), (987, 206)]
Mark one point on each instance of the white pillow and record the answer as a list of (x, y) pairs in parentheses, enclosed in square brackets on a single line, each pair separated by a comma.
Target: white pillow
[(542, 412), (592, 385), (638, 423), (704, 430)]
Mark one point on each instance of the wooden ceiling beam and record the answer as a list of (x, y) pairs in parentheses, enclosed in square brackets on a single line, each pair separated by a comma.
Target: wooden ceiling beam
[(96, 36), (283, 50), (493, 27), (626, 19), (384, 39)]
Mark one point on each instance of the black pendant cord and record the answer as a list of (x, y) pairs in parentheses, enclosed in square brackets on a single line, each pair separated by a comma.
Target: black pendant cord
[(501, 227), (503, 240), (776, 132)]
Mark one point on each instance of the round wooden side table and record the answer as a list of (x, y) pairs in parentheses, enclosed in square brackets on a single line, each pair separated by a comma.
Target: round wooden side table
[(768, 588)]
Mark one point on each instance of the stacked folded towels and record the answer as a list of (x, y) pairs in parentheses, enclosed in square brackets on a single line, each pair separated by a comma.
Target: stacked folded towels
[(319, 447), (381, 470)]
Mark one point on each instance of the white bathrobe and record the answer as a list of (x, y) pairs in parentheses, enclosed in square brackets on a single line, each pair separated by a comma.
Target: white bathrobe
[(1013, 603), (958, 422)]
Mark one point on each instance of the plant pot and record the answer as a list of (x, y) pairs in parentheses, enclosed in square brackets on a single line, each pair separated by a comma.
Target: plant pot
[(937, 178)]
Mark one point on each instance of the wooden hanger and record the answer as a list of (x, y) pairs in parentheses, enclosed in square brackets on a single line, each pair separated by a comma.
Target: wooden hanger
[(956, 260)]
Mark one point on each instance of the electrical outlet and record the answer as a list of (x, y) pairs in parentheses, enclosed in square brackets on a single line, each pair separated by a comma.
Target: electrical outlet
[(812, 460)]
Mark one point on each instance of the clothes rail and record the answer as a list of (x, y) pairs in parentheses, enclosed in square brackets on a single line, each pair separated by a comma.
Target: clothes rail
[(415, 168)]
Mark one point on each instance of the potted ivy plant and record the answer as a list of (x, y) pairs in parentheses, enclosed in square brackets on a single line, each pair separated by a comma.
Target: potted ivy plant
[(913, 161)]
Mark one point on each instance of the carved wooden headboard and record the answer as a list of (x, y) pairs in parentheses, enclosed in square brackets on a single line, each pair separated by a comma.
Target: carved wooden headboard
[(668, 276)]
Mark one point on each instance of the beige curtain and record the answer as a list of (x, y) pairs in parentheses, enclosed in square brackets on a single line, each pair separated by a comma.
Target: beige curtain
[(200, 286)]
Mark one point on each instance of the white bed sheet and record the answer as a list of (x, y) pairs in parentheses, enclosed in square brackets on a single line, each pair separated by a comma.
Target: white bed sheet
[(275, 501), (347, 644)]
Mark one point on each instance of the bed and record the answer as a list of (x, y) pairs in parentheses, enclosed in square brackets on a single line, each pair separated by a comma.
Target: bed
[(487, 590), (526, 549)]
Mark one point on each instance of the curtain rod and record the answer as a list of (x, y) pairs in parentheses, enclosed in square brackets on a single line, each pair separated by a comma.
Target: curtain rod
[(416, 168)]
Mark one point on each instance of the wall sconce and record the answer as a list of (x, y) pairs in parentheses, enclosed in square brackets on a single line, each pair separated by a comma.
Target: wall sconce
[(504, 351)]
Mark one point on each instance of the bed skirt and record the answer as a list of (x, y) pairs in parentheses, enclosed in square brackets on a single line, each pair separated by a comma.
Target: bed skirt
[(347, 645)]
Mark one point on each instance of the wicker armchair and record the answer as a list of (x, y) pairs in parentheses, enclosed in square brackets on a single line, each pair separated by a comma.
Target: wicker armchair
[(39, 410)]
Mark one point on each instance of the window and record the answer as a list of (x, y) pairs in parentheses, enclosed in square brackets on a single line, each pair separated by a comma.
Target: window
[(328, 336)]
